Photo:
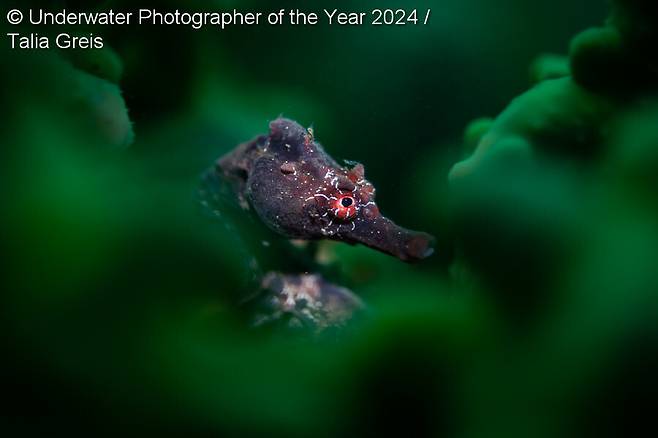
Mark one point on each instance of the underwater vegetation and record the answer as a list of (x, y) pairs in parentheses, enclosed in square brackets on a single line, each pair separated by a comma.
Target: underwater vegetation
[(144, 296)]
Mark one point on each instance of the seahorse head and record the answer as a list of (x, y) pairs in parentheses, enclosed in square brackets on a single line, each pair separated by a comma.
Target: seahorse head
[(300, 191)]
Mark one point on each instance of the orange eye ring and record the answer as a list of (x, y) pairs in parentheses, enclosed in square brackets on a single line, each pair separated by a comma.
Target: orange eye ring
[(344, 207)]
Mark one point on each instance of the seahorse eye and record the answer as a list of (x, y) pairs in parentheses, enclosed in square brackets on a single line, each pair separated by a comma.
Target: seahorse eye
[(344, 207)]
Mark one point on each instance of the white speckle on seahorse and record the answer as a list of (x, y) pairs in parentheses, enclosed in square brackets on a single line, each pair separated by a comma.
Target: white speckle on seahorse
[(317, 194)]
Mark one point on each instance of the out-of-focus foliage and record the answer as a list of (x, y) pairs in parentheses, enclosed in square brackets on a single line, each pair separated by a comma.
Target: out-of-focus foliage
[(555, 217), (537, 317)]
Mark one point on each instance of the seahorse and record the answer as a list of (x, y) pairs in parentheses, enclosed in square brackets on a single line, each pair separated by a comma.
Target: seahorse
[(300, 192)]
